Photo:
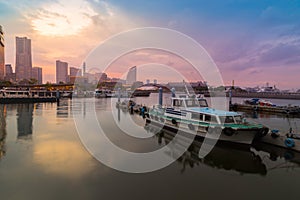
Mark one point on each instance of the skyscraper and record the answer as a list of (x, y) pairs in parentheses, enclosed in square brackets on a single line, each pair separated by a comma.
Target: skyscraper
[(75, 71), (9, 74), (37, 73), (61, 72), (23, 58), (131, 76), (2, 56)]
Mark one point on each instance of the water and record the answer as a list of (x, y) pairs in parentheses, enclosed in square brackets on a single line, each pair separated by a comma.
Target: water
[(42, 157)]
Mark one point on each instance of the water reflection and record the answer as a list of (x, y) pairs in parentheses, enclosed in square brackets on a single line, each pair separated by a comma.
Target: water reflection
[(62, 110), (258, 159), (2, 129), (24, 120)]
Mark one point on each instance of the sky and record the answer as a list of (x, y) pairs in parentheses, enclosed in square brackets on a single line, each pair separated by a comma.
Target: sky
[(251, 41)]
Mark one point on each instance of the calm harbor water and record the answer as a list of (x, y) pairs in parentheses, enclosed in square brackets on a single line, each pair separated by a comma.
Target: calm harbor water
[(42, 157)]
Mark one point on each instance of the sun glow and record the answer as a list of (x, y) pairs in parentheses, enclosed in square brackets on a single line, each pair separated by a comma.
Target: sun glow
[(63, 18)]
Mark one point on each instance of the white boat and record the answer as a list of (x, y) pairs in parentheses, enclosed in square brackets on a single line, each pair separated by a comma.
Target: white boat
[(104, 93), (192, 115)]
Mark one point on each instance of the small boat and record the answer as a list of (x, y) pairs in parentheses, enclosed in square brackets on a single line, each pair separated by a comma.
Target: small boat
[(104, 93), (192, 115), (260, 102)]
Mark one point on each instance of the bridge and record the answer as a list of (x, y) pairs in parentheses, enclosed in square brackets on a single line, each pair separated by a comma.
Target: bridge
[(155, 87)]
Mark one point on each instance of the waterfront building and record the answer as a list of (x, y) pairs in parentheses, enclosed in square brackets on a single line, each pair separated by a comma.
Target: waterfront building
[(131, 76), (37, 73), (9, 74), (75, 71), (61, 72), (23, 58), (2, 56)]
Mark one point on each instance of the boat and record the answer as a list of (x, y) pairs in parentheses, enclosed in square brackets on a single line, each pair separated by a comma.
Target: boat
[(192, 115), (104, 93), (25, 95), (260, 102)]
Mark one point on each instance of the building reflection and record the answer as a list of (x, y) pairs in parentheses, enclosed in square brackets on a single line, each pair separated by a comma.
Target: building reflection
[(24, 120), (2, 129), (62, 110)]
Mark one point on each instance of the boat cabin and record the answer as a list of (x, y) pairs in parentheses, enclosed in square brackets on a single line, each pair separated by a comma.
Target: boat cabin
[(188, 102), (197, 110)]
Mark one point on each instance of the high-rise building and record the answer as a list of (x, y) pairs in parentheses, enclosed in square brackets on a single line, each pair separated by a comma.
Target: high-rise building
[(61, 72), (2, 56), (75, 71), (131, 76), (37, 73), (84, 69), (23, 58), (8, 69), (9, 75)]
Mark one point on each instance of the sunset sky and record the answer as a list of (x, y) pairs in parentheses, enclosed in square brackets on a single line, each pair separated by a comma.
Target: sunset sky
[(251, 41)]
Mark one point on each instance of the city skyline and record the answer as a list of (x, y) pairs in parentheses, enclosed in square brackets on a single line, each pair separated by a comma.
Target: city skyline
[(251, 42)]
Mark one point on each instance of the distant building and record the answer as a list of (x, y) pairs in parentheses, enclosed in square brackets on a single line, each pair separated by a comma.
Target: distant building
[(9, 75), (136, 85), (8, 69), (121, 81), (75, 71), (23, 58), (84, 68), (37, 73), (131, 76), (2, 56), (61, 72)]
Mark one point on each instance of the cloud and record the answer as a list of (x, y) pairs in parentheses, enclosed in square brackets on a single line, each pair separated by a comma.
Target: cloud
[(63, 29), (281, 53), (62, 18)]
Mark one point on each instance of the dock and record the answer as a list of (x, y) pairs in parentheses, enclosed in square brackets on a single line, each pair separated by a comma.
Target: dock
[(291, 110), (289, 141), (30, 96), (18, 100)]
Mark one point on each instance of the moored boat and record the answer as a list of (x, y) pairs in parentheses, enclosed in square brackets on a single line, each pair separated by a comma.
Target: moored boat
[(192, 115), (104, 93)]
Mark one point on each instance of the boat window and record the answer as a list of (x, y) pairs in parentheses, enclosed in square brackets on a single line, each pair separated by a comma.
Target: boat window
[(197, 116), (191, 103), (207, 118), (226, 119), (177, 102), (202, 103), (211, 119), (238, 119)]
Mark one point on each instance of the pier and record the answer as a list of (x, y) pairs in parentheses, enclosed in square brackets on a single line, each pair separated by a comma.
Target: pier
[(19, 95), (290, 110)]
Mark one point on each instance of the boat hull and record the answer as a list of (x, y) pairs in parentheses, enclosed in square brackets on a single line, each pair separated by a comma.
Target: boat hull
[(245, 136)]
